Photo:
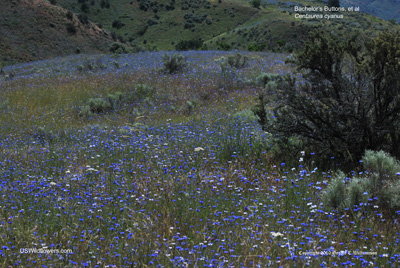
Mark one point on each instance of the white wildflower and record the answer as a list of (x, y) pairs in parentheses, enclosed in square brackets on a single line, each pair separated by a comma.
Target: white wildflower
[(276, 234)]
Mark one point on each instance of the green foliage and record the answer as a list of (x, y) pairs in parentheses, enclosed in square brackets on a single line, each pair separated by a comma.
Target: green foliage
[(334, 3), (389, 198), (290, 60), (43, 135), (91, 65), (115, 100), (104, 4), (263, 79), (83, 18), (237, 61), (141, 92), (281, 43), (69, 15), (381, 164), (152, 21), (247, 115), (144, 5), (118, 100), (4, 105), (334, 195), (192, 44), (99, 105), (223, 46), (71, 28), (377, 184), (117, 24), (260, 111), (174, 63), (268, 82), (118, 48), (85, 8), (255, 3), (191, 105), (256, 47), (348, 99), (358, 191)]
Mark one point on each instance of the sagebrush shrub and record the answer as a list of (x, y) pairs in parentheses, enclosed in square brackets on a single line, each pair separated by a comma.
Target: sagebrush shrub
[(264, 78), (43, 135), (381, 164), (141, 92), (99, 105), (375, 188), (115, 100), (247, 115), (118, 48), (174, 63), (334, 195), (237, 61), (358, 191), (118, 100)]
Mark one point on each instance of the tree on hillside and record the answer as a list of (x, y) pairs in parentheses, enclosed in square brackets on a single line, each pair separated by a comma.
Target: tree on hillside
[(334, 3), (256, 3), (348, 99)]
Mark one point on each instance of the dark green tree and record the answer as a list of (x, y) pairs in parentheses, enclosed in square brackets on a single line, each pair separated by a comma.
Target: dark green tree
[(348, 99), (334, 3), (256, 3)]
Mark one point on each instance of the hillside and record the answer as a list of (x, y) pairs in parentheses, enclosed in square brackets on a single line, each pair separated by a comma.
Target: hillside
[(221, 24), (35, 29), (386, 9)]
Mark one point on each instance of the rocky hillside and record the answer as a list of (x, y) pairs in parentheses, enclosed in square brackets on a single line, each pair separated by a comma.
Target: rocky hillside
[(36, 29)]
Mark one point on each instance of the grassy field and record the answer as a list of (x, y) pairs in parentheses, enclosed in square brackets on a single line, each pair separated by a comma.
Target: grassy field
[(184, 177)]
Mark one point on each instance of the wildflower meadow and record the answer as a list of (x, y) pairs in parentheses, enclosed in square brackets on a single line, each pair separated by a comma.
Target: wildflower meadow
[(117, 161)]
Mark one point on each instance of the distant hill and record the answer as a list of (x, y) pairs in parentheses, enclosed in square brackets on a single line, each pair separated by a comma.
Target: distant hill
[(385, 9), (36, 29), (221, 24)]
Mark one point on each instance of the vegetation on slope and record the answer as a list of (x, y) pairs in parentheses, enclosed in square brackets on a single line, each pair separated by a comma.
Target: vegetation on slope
[(32, 30), (48, 30)]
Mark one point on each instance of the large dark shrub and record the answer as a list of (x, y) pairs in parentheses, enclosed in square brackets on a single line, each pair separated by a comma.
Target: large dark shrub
[(348, 100), (83, 18), (192, 44), (104, 4), (71, 28), (85, 8), (255, 3), (118, 48), (334, 3), (118, 24)]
